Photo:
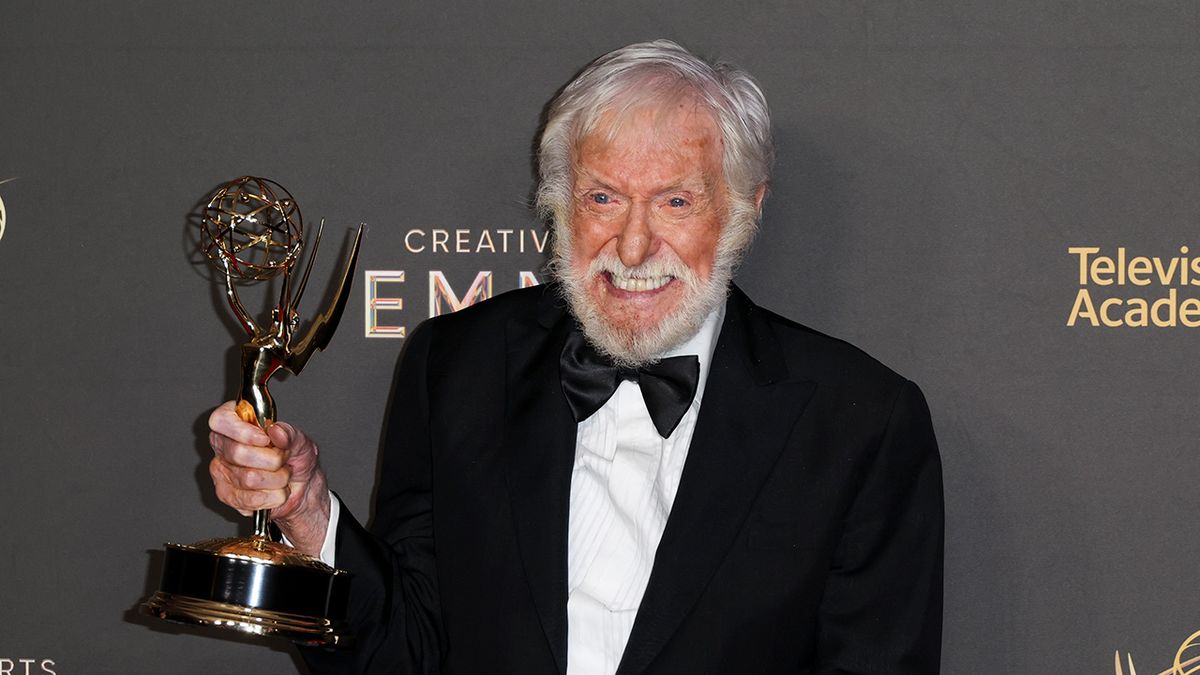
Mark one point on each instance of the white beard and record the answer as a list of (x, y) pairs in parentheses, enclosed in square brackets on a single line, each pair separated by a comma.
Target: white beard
[(631, 347)]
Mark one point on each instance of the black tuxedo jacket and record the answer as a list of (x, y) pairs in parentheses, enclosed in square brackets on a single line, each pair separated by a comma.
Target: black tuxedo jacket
[(806, 535)]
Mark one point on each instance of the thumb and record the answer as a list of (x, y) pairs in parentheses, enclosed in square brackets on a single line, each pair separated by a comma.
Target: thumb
[(282, 434)]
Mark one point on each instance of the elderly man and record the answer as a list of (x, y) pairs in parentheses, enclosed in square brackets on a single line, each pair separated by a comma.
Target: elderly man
[(655, 475)]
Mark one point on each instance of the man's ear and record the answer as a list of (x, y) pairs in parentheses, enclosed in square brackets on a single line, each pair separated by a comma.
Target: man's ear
[(759, 195)]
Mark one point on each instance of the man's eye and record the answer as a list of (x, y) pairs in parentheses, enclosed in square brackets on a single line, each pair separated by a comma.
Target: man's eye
[(600, 198), (678, 202)]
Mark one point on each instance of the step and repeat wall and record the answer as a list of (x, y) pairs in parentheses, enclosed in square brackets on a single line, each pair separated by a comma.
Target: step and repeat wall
[(999, 200)]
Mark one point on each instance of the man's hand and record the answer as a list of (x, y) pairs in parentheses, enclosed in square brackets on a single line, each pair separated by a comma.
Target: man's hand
[(276, 469)]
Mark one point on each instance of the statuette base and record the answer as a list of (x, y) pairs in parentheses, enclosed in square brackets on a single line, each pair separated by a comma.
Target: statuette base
[(253, 586)]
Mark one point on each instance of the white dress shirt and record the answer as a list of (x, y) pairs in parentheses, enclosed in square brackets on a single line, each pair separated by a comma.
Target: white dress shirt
[(623, 484), (330, 546)]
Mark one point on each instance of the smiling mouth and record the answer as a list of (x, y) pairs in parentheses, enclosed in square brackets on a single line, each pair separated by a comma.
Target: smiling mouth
[(638, 284)]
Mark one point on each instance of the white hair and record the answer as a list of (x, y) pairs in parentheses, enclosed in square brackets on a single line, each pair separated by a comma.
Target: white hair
[(657, 74)]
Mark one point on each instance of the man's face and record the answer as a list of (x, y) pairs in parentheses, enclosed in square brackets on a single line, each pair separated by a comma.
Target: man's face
[(649, 201)]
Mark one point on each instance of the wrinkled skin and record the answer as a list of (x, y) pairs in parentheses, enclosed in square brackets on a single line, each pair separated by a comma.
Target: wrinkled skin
[(277, 469), (651, 195)]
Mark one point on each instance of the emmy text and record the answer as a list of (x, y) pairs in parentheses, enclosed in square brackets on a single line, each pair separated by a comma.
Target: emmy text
[(386, 291)]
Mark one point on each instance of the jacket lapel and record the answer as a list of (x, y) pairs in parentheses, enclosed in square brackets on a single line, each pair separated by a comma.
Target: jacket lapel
[(539, 450), (747, 413)]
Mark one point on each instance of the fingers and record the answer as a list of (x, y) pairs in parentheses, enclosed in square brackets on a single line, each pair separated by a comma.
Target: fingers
[(247, 489), (253, 469), (282, 435), (244, 444), (225, 421), (269, 458), (248, 472)]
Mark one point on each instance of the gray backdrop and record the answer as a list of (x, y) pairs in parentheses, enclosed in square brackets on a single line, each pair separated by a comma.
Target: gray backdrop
[(937, 161)]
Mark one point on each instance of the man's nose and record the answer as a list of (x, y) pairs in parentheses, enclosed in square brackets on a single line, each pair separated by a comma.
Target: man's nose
[(636, 241)]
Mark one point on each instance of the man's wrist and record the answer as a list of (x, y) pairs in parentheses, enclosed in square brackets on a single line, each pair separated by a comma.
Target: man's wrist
[(306, 526)]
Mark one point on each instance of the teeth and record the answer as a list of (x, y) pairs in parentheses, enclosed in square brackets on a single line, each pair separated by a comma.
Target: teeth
[(635, 284)]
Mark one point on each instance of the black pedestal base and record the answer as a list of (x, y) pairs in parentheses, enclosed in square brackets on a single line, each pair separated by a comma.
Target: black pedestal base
[(303, 602)]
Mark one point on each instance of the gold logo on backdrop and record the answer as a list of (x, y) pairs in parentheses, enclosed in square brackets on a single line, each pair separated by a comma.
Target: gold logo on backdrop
[(1183, 665), (1121, 288)]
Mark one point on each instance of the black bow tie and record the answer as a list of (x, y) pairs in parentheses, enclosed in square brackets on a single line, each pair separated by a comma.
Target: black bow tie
[(589, 379)]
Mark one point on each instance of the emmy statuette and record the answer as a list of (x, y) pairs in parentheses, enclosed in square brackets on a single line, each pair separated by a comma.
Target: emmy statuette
[(253, 231)]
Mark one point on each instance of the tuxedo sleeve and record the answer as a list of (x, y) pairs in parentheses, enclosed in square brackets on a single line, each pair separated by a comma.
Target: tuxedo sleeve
[(394, 609), (882, 607)]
